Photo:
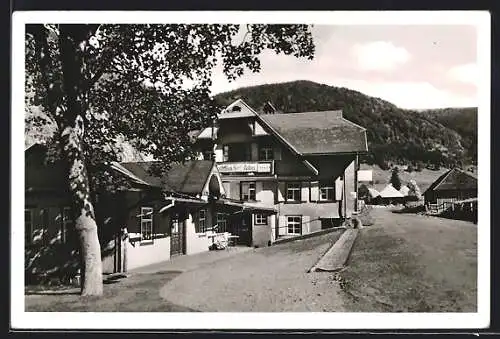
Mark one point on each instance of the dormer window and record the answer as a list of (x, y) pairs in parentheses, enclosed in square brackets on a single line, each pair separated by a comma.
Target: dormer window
[(236, 108)]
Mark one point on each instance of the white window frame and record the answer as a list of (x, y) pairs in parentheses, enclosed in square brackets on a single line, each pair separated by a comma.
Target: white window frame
[(260, 219), (31, 213), (202, 221), (325, 188), (66, 220), (296, 225), (248, 191), (296, 189), (221, 222), (266, 153), (146, 218)]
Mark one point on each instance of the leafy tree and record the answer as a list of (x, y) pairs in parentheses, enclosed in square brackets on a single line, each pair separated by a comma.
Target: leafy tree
[(410, 168), (363, 192), (97, 83), (395, 180), (414, 190)]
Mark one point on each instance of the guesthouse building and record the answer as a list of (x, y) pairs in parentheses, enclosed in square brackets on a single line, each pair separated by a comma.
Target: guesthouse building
[(303, 165)]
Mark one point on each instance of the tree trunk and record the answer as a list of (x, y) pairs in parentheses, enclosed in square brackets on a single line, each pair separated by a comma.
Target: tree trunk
[(71, 129)]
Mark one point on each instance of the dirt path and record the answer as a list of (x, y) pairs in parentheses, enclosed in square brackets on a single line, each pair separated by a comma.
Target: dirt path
[(137, 293), (264, 280), (413, 263)]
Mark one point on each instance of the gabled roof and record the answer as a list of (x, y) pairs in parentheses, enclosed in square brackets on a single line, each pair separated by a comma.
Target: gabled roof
[(454, 179), (373, 192), (314, 133), (390, 192), (189, 178), (404, 190), (238, 109)]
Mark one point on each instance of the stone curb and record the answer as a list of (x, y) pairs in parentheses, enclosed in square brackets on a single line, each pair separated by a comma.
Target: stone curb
[(336, 257)]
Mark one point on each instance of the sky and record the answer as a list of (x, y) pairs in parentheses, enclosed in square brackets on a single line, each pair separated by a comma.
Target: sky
[(414, 66)]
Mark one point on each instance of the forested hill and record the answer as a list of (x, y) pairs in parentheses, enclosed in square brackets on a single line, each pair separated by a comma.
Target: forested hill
[(436, 137)]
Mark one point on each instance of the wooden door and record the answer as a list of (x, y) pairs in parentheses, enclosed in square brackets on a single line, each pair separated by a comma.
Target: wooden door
[(177, 236), (244, 230)]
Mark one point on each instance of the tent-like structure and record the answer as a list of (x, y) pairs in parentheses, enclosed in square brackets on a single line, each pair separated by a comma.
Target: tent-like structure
[(404, 190), (390, 195), (373, 192)]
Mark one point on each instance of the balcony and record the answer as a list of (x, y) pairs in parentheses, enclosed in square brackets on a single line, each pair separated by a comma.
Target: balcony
[(247, 167)]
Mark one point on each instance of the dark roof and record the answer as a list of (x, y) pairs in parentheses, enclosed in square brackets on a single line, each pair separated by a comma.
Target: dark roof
[(189, 178), (454, 179), (41, 175), (323, 132)]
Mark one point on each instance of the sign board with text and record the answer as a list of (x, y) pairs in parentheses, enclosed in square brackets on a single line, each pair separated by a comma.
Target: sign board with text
[(245, 167)]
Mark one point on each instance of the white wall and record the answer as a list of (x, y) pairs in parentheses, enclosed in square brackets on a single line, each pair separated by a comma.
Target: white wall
[(138, 255), (195, 242)]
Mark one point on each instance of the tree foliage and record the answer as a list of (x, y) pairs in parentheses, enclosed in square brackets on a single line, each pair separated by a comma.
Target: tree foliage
[(147, 84), (395, 180), (414, 190)]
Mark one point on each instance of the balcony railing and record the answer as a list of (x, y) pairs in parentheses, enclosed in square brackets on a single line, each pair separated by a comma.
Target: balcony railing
[(256, 167)]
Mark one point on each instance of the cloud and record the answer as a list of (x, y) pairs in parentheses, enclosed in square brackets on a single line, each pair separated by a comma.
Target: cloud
[(467, 73), (380, 56), (411, 95)]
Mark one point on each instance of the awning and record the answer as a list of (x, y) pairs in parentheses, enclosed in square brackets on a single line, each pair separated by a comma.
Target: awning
[(246, 206)]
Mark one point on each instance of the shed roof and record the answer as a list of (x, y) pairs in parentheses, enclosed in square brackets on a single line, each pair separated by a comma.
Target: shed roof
[(189, 178), (390, 192), (404, 190), (454, 179), (324, 132), (373, 192)]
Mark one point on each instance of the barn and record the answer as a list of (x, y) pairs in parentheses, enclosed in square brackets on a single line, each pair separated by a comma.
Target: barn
[(454, 185)]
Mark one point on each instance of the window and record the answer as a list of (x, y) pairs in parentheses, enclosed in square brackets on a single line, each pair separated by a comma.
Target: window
[(293, 191), (326, 192), (28, 225), (221, 223), (202, 228), (260, 219), (146, 224), (225, 153), (266, 153), (67, 221), (248, 191), (294, 224)]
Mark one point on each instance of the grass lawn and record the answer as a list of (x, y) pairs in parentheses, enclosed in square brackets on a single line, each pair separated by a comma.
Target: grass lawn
[(412, 263), (137, 293), (423, 178)]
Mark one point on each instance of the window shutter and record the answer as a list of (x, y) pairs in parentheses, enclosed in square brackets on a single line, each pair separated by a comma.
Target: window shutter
[(227, 189), (258, 189), (304, 192), (314, 190), (281, 191), (306, 224), (339, 184), (282, 225), (277, 153)]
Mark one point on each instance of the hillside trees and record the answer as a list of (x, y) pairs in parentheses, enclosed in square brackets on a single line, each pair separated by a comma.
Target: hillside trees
[(100, 82)]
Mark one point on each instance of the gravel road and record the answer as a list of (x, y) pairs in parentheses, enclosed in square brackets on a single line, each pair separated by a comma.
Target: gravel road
[(271, 279)]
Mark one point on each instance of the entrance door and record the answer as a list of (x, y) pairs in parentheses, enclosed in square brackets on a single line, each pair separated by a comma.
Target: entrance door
[(244, 230), (177, 239)]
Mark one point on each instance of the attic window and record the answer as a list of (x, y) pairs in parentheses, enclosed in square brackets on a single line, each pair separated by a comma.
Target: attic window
[(236, 108)]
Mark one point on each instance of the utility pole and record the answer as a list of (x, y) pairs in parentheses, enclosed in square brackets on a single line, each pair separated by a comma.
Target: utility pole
[(356, 169)]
